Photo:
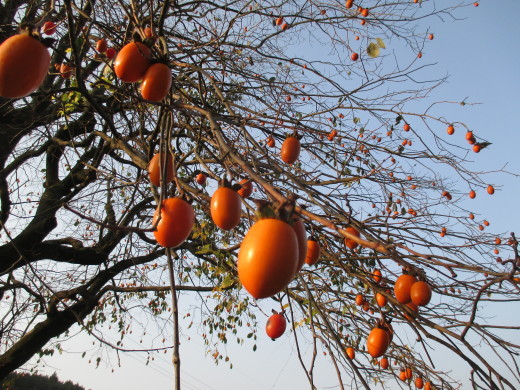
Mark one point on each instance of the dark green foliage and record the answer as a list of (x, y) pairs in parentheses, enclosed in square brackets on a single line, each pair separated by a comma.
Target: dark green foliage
[(23, 381)]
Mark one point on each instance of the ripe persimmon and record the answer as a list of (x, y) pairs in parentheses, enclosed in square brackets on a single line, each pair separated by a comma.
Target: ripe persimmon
[(49, 28), (354, 56), (154, 170), (101, 46), (381, 300), (421, 293), (384, 363), (177, 219), (313, 252), (450, 130), (472, 194), (132, 62), (275, 326), (201, 178), (490, 189), (24, 63), (157, 81), (351, 353), (247, 188), (290, 150), (350, 243), (268, 257), (403, 286), (377, 276), (225, 208), (377, 342)]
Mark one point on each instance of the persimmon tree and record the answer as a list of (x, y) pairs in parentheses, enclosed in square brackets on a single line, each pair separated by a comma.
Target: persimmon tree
[(378, 183)]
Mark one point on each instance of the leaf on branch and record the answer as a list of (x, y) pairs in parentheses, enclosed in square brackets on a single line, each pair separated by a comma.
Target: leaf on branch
[(381, 43), (373, 50)]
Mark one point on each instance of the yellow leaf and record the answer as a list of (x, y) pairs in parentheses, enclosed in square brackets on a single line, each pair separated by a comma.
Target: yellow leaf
[(381, 43), (373, 50)]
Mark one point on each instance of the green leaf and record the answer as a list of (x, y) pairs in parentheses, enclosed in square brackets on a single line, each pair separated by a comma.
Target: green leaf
[(227, 282), (356, 120), (373, 50), (381, 43), (272, 79)]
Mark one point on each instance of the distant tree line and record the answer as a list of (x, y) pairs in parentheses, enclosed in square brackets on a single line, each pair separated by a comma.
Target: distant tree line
[(24, 381)]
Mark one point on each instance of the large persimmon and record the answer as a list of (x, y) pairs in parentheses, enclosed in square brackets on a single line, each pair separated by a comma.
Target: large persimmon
[(157, 82), (155, 167), (421, 293), (377, 342), (225, 208), (268, 257), (177, 219), (290, 150), (24, 63), (132, 62), (403, 286)]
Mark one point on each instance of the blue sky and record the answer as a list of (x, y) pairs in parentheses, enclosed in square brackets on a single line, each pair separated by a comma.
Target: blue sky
[(480, 54)]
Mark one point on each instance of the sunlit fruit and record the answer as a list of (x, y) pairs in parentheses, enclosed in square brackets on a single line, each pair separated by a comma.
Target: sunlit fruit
[(247, 188), (403, 286), (381, 300), (275, 326), (490, 189), (268, 257), (290, 150), (157, 81), (313, 252), (155, 167), (177, 219), (450, 130), (377, 342), (421, 293), (351, 353), (132, 62), (377, 276), (225, 208), (24, 63)]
